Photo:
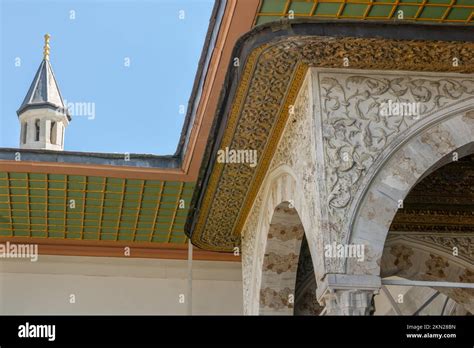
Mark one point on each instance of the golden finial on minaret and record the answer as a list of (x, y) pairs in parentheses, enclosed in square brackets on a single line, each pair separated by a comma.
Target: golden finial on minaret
[(46, 47)]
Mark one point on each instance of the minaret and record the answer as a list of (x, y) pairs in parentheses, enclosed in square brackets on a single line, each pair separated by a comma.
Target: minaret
[(42, 115)]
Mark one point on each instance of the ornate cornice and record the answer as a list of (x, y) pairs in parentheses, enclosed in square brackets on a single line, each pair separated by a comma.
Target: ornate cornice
[(261, 92)]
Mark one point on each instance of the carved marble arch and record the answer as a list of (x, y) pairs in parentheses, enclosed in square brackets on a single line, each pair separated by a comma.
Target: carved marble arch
[(431, 238), (288, 285), (271, 255), (427, 147)]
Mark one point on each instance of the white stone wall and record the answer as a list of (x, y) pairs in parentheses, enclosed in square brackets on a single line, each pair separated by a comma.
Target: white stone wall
[(104, 285)]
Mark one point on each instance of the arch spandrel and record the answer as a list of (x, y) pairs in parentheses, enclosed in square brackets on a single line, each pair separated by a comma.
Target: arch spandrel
[(354, 137)]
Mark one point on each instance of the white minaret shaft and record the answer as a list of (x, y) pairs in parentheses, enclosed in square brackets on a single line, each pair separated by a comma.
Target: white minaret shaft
[(42, 115)]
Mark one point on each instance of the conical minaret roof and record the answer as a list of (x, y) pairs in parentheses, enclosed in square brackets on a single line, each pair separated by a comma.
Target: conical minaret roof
[(44, 90)]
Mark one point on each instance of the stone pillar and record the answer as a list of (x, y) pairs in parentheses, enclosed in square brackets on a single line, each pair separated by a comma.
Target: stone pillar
[(346, 294)]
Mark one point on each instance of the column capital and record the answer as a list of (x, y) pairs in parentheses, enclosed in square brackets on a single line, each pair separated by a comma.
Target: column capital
[(348, 302), (348, 294)]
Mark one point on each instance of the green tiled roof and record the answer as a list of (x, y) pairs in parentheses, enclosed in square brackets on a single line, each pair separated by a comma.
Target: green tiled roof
[(93, 208), (442, 11)]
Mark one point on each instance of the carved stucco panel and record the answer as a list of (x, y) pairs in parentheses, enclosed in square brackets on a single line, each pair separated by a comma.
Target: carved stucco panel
[(356, 131)]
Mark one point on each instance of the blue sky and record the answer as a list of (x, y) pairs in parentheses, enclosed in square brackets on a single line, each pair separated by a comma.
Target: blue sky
[(137, 108)]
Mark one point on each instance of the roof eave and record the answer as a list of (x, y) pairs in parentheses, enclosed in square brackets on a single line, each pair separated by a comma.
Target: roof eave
[(48, 105), (268, 32)]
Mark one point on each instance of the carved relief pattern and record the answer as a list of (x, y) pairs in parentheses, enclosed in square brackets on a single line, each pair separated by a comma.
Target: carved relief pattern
[(282, 250), (259, 109), (438, 134), (276, 300), (284, 230), (403, 255), (464, 244), (249, 247), (293, 150), (280, 263), (433, 221), (427, 264), (269, 82), (296, 148), (466, 295), (355, 131), (436, 266), (280, 232)]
